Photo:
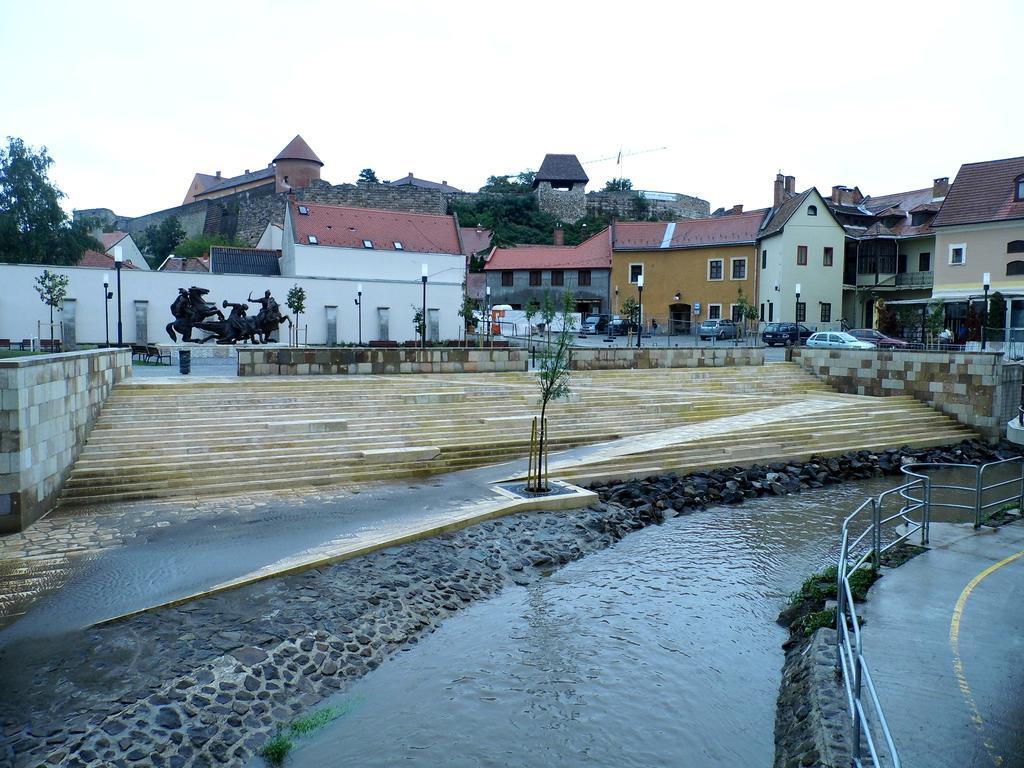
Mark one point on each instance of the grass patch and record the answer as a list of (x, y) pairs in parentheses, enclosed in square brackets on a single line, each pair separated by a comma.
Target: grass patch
[(816, 588), (17, 353), (810, 623), (860, 582), (901, 553), (276, 750)]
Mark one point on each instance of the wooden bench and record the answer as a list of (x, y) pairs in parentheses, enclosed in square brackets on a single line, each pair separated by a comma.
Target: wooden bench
[(5, 343), (49, 345), (149, 352)]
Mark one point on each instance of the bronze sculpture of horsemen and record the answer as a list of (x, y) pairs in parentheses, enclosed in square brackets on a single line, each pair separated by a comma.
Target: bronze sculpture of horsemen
[(191, 311)]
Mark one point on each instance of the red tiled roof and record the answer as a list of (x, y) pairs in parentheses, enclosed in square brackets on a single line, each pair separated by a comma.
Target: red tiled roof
[(594, 253), (738, 228), (178, 264), (983, 192), (340, 227), (298, 149), (475, 240), (110, 239), (102, 260)]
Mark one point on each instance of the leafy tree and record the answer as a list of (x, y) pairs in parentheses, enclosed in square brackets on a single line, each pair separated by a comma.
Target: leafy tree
[(418, 322), (553, 378), (33, 227), (936, 321), (512, 219), (973, 322), (296, 301), (521, 182), (747, 311), (469, 306), (52, 289), (996, 317), (641, 207), (630, 311), (194, 247), (158, 241), (618, 185), (368, 176), (531, 311)]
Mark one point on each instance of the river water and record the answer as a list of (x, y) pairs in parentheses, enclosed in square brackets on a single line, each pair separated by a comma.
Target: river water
[(659, 651)]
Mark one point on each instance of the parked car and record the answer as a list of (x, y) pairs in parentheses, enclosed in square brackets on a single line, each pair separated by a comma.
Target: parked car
[(619, 327), (877, 338), (594, 324), (785, 334), (837, 340), (717, 329)]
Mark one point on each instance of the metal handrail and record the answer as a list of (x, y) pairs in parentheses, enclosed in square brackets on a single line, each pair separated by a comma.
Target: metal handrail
[(854, 553)]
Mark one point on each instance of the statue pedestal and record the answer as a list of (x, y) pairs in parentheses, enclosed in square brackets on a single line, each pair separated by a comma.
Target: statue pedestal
[(211, 350)]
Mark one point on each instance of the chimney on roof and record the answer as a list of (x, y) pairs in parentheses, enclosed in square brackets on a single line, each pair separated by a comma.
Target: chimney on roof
[(559, 236), (444, 182), (780, 192), (837, 193), (218, 174), (247, 171), (790, 186), (738, 208), (940, 187)]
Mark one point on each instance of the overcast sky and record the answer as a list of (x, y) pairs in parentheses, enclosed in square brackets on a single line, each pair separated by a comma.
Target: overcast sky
[(131, 100)]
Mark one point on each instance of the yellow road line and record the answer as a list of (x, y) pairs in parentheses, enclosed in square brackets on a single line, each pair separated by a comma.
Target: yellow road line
[(958, 665)]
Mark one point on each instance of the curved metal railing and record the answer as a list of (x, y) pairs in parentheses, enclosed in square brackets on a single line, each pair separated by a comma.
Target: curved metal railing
[(865, 548)]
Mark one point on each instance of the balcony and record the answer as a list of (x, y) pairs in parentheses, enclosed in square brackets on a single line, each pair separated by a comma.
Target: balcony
[(915, 279)]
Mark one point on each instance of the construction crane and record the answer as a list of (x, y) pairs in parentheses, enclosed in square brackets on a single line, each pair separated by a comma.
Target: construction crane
[(618, 158)]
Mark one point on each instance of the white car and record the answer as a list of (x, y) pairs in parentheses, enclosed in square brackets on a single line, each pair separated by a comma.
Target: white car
[(837, 340)]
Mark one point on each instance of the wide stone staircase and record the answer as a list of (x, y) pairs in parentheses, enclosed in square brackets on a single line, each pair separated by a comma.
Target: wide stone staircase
[(174, 438)]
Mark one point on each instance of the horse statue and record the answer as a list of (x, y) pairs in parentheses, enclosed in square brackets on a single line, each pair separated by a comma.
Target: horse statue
[(269, 318), (236, 328), (189, 310)]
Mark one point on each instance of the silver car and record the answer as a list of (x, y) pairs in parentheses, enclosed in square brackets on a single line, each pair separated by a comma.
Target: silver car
[(717, 329), (837, 340)]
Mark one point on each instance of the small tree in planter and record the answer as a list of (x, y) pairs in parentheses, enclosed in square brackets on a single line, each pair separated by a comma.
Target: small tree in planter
[(531, 311), (296, 301), (52, 289), (996, 317), (553, 378), (747, 311), (467, 310), (936, 322), (418, 321)]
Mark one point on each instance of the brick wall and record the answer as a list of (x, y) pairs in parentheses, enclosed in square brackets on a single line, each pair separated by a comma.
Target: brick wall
[(49, 403), (980, 390), (360, 360)]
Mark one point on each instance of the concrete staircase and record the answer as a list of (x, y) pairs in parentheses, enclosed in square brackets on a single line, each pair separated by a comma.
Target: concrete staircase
[(173, 438)]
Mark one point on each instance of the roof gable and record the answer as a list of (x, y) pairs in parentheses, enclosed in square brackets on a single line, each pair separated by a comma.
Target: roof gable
[(110, 239), (983, 192), (343, 227), (593, 253), (779, 217)]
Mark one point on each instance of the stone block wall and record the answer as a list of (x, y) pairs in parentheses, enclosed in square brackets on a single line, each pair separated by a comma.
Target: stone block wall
[(623, 205), (340, 361), (584, 359), (978, 389), (567, 205), (49, 403)]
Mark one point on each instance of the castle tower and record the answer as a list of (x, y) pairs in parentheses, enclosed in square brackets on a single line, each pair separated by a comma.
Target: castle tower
[(296, 166), (560, 185)]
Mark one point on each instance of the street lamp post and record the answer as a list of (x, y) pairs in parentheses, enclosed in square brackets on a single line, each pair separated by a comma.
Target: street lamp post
[(107, 296), (640, 309), (796, 317), (118, 263), (487, 317), (359, 304), (423, 326), (986, 282)]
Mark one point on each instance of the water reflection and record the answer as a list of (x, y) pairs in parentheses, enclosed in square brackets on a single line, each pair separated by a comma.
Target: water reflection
[(659, 651)]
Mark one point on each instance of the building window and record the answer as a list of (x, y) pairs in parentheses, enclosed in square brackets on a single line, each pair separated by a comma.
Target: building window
[(762, 312), (557, 277), (924, 262), (303, 210), (826, 256), (635, 270), (771, 311), (958, 253), (506, 279), (739, 269), (714, 311), (313, 240), (383, 323), (1018, 189), (812, 210), (919, 218), (801, 311), (367, 243), (399, 246), (714, 269), (1015, 268), (584, 277), (736, 312), (1015, 246), (764, 259), (534, 277), (826, 313), (801, 255)]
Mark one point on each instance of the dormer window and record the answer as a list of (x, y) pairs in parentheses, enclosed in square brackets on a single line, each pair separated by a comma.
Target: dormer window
[(367, 243), (303, 210), (313, 240), (399, 246), (812, 210), (1018, 189)]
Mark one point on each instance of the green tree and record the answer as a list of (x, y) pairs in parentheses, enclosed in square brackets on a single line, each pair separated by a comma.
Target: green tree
[(936, 322), (52, 289), (618, 185), (747, 311), (158, 241), (33, 227), (195, 247), (296, 302), (996, 317), (630, 311), (469, 306), (520, 182), (368, 175), (418, 322), (553, 379)]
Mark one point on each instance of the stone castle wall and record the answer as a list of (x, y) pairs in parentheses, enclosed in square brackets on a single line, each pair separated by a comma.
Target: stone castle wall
[(626, 205), (568, 205)]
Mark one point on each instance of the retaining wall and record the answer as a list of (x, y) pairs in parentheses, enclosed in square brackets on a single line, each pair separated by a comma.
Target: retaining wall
[(360, 360), (617, 358), (49, 403), (978, 389)]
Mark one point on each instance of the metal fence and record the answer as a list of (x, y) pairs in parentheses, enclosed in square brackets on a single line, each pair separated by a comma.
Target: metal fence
[(862, 545)]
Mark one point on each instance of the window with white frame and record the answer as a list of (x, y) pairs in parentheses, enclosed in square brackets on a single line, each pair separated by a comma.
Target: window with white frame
[(635, 270), (715, 267), (739, 268), (714, 311), (957, 253), (736, 313)]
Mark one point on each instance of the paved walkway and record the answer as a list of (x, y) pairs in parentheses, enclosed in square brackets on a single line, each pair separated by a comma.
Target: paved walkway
[(944, 637)]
